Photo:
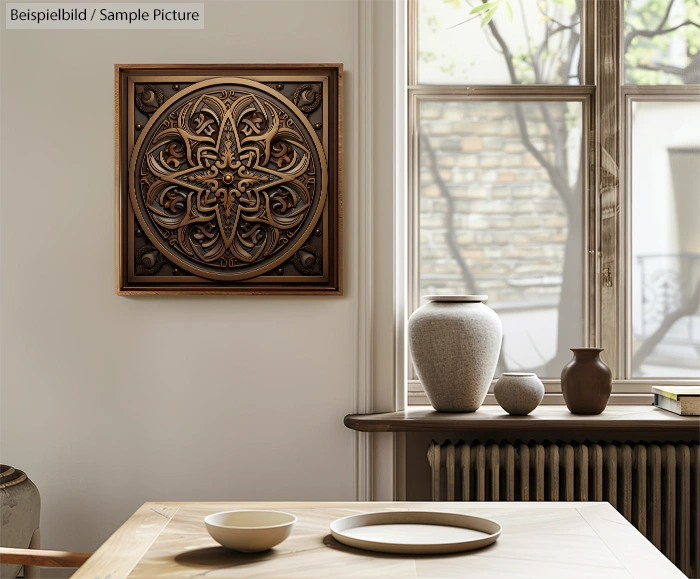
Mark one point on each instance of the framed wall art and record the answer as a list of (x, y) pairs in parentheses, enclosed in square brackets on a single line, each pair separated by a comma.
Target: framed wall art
[(229, 179)]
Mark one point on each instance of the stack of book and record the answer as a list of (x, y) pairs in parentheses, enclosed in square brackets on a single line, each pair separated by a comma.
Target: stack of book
[(683, 400)]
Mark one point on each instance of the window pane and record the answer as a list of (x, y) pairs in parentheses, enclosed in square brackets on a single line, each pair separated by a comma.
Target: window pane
[(662, 38), (526, 42), (666, 239), (501, 214)]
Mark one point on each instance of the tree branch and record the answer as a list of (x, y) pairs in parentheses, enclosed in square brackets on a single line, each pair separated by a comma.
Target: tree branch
[(464, 21), (467, 274), (507, 54), (558, 180), (535, 63), (661, 68), (551, 34), (659, 30), (666, 15), (558, 140), (653, 33), (686, 309)]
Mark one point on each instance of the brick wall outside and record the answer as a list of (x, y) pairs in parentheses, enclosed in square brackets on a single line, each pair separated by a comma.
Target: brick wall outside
[(510, 222)]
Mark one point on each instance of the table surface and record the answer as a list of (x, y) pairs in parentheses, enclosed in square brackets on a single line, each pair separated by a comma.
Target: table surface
[(539, 540)]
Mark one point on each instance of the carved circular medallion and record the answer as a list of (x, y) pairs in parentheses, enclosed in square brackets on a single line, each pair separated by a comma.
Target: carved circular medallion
[(228, 179)]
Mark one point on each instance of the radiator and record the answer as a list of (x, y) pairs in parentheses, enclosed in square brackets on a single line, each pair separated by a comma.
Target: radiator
[(655, 486)]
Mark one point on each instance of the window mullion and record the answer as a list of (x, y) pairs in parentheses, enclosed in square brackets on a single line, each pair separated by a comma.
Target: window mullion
[(609, 272)]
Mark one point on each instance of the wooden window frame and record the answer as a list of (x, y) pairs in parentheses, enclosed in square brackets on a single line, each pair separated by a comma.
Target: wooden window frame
[(607, 228)]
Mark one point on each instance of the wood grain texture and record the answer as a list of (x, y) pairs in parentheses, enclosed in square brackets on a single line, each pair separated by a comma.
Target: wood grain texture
[(608, 186), (543, 420), (42, 557), (539, 540), (118, 555)]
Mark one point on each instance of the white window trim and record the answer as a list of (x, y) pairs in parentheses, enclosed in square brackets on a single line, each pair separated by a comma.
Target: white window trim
[(380, 372)]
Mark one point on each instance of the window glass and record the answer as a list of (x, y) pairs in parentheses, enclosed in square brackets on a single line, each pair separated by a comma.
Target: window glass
[(662, 42), (501, 214), (525, 42), (666, 239)]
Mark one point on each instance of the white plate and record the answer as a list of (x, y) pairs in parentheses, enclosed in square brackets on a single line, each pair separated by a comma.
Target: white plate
[(415, 532)]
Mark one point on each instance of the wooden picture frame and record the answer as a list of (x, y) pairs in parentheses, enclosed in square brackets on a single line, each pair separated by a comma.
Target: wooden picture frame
[(228, 179)]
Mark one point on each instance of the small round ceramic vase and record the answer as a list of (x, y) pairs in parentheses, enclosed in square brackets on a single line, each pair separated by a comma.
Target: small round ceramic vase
[(586, 382), (20, 505), (454, 343), (518, 393)]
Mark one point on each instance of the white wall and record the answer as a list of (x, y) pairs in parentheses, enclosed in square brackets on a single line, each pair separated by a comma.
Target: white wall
[(656, 128), (110, 401)]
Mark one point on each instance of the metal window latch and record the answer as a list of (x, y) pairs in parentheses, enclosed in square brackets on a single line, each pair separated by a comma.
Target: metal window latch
[(607, 277)]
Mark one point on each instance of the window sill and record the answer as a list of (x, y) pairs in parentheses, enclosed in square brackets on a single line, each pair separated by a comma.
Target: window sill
[(545, 420)]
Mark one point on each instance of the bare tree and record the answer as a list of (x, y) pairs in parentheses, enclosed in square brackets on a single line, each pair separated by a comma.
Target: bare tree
[(554, 61)]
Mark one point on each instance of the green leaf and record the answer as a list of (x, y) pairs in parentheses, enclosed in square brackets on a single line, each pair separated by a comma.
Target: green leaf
[(483, 7), (509, 12), (487, 17)]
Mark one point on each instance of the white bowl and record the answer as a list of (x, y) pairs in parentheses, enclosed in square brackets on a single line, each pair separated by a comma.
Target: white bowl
[(250, 531)]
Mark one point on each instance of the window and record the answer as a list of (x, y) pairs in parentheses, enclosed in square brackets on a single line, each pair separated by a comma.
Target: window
[(555, 166)]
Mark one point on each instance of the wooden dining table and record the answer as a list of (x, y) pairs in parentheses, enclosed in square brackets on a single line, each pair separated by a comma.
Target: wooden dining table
[(539, 540)]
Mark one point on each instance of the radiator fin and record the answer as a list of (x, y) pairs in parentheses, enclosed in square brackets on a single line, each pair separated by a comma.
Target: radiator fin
[(683, 461), (668, 523), (639, 488), (450, 461), (694, 452), (655, 486)]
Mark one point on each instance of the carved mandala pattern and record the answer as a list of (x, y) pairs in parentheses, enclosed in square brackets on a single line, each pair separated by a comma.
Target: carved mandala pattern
[(150, 99), (228, 179), (307, 98), (148, 260), (307, 260)]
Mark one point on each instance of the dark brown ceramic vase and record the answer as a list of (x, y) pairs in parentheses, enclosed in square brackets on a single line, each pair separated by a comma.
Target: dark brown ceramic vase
[(586, 382)]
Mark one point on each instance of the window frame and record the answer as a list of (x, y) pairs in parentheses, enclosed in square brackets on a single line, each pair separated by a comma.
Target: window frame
[(607, 196)]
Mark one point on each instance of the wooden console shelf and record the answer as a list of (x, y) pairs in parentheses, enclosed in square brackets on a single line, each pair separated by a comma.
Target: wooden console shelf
[(544, 420)]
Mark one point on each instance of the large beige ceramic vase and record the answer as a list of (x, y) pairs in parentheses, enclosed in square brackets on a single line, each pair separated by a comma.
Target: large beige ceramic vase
[(454, 342), (19, 505)]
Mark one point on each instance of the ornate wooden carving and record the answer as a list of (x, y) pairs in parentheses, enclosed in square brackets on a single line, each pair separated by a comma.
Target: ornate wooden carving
[(228, 179)]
